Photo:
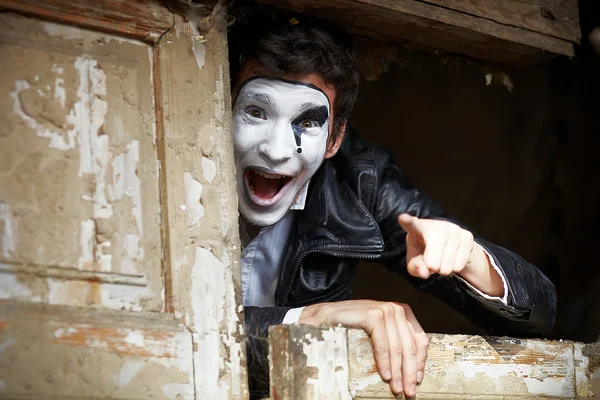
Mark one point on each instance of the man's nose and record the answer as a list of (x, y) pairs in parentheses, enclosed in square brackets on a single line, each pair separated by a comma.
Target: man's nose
[(279, 144)]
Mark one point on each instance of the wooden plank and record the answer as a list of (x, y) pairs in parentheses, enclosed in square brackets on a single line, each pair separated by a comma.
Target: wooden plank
[(200, 210), (70, 352), (308, 362), (140, 19), (305, 360), (435, 27), (557, 18), (462, 365)]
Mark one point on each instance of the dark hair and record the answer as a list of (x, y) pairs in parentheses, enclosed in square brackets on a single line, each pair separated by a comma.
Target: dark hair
[(298, 45)]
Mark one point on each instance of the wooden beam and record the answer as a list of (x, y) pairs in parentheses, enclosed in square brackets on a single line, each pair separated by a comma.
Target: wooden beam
[(557, 18), (438, 27), (145, 20), (63, 352), (307, 361)]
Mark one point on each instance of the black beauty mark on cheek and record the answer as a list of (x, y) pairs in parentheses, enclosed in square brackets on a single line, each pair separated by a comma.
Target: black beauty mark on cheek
[(298, 131)]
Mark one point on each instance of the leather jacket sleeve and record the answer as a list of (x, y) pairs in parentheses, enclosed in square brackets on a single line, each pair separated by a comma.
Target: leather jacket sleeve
[(258, 320), (531, 308)]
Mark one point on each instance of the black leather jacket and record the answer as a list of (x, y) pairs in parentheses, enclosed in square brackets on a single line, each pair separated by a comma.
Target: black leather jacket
[(351, 214)]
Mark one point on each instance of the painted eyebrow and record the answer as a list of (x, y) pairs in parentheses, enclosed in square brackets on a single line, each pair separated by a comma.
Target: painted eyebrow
[(310, 106), (260, 97)]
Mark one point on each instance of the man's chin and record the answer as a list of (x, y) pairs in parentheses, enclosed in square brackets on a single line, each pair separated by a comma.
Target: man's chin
[(260, 216)]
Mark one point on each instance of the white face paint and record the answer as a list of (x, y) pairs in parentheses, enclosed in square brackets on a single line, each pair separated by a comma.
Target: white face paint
[(280, 131)]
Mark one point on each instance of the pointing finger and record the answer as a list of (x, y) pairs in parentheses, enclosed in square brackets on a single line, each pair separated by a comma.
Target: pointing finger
[(409, 223)]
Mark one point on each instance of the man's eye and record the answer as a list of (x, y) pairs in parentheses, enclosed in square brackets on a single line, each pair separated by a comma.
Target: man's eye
[(308, 123), (256, 112)]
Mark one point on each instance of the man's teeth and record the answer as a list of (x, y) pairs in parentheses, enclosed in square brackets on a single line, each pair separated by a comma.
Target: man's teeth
[(269, 176)]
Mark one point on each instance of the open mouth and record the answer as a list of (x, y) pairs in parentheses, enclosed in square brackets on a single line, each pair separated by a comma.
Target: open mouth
[(265, 188)]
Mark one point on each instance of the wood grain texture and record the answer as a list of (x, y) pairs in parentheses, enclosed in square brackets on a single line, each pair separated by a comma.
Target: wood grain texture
[(305, 359), (56, 352), (436, 27), (140, 19), (557, 18), (200, 202)]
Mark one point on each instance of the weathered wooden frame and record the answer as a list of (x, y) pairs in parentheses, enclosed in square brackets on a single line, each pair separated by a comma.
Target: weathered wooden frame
[(505, 31), (310, 362)]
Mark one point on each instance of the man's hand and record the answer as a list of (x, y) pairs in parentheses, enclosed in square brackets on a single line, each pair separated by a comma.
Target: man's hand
[(399, 342), (444, 248)]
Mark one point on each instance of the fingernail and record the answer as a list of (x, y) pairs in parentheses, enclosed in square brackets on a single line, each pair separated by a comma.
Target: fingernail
[(419, 377), (388, 375), (399, 385), (413, 389)]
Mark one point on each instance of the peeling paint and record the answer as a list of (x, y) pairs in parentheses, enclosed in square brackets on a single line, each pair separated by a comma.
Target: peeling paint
[(208, 293), (125, 181), (11, 288), (8, 231), (198, 47), (327, 361), (132, 253), (209, 169), (193, 195), (128, 371), (125, 341), (57, 139)]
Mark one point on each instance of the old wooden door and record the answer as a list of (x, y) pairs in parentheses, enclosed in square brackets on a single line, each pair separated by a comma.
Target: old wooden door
[(118, 214)]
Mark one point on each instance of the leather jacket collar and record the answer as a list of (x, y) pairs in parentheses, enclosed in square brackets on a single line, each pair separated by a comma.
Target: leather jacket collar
[(334, 217)]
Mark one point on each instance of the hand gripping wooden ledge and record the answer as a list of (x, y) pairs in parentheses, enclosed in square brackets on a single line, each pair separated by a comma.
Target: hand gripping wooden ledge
[(308, 362)]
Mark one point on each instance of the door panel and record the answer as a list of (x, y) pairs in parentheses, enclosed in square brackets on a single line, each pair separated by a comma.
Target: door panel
[(119, 244), (78, 136)]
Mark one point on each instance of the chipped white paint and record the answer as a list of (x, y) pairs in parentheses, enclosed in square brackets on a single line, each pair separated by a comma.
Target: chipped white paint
[(8, 231), (364, 382), (60, 93), (11, 288), (193, 195), (209, 169), (132, 252), (128, 371), (86, 242), (7, 343), (198, 47), (57, 139), (59, 333), (208, 291), (88, 119), (135, 338), (125, 181), (328, 356)]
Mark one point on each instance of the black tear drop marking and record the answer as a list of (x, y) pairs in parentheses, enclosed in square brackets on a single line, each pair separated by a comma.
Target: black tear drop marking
[(299, 150), (298, 131)]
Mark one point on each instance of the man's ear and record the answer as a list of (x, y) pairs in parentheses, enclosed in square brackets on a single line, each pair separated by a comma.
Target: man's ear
[(333, 148)]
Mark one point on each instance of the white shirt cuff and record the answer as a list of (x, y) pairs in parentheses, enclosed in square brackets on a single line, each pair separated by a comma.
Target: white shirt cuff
[(504, 298), (292, 316)]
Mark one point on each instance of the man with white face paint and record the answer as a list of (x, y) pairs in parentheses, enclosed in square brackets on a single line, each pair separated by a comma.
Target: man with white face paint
[(314, 199), (281, 129)]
